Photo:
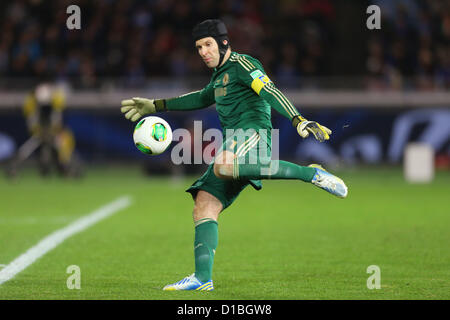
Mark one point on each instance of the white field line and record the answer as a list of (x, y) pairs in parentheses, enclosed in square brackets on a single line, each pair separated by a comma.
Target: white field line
[(57, 237)]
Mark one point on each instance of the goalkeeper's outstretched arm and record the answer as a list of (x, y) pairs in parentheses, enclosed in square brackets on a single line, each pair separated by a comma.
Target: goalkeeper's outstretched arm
[(253, 75), (135, 108), (304, 127)]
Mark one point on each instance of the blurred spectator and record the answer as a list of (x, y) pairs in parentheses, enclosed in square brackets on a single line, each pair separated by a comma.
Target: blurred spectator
[(43, 110)]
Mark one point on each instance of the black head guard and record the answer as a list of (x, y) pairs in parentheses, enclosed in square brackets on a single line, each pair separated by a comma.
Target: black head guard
[(216, 29)]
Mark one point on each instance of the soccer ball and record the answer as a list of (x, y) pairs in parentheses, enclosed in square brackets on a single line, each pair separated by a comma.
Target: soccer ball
[(152, 135)]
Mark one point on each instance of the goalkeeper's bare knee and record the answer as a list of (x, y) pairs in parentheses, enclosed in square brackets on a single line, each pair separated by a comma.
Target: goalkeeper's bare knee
[(206, 206)]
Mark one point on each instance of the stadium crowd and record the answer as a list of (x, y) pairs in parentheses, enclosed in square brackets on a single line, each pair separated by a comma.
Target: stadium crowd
[(134, 40), (413, 51)]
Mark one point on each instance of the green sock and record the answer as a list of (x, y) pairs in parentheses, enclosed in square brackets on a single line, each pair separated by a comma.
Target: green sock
[(206, 239), (276, 169)]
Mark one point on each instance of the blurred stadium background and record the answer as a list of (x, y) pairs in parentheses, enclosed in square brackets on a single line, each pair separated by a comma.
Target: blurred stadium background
[(378, 90)]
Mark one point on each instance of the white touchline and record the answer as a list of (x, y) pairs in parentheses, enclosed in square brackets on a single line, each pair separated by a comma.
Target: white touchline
[(57, 237)]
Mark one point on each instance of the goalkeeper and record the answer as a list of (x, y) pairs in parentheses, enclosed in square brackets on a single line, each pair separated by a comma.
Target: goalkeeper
[(243, 95)]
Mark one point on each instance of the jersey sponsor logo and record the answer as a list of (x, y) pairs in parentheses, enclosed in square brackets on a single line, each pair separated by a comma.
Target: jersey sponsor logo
[(220, 92), (226, 79), (223, 81)]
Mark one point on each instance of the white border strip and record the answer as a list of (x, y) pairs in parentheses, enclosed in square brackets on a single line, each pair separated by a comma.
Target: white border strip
[(57, 237)]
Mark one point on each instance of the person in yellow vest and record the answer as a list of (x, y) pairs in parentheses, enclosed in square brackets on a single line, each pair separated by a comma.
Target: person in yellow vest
[(43, 110)]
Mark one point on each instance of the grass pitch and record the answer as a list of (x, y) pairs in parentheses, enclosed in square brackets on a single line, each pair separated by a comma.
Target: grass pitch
[(288, 241)]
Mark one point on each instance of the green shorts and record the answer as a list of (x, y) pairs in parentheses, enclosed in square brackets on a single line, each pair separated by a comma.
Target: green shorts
[(250, 147)]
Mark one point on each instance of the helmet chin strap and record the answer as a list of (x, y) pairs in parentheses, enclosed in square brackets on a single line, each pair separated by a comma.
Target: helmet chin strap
[(222, 55), (222, 49)]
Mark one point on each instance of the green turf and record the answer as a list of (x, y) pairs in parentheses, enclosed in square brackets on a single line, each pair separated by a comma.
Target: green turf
[(287, 241)]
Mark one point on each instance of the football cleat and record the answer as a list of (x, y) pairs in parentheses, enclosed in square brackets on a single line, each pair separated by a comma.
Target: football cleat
[(328, 182), (190, 283)]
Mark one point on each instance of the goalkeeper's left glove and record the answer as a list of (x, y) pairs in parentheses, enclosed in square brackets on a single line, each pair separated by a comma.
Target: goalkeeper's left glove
[(304, 127)]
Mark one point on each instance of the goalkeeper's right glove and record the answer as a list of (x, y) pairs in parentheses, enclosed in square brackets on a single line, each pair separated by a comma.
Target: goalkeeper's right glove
[(137, 107)]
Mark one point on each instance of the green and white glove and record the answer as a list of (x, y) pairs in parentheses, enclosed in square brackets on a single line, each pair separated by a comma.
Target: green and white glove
[(305, 127), (135, 108)]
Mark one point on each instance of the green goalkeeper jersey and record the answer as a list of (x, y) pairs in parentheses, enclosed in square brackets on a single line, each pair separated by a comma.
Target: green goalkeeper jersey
[(243, 95)]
